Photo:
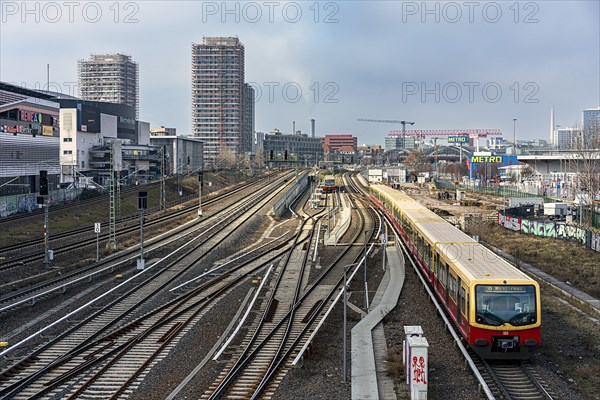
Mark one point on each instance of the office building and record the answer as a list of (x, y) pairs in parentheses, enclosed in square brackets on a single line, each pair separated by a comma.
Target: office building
[(591, 126), (399, 142), (336, 147), (298, 148), (111, 78), (218, 96), (163, 131), (564, 138)]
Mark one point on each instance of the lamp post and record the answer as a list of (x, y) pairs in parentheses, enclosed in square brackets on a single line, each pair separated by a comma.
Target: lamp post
[(515, 134), (345, 368)]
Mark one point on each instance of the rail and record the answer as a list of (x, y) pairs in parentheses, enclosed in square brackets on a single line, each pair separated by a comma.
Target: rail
[(441, 312), (227, 263), (337, 298)]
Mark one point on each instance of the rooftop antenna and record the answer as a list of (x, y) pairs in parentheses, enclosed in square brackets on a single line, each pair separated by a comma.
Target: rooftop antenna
[(48, 76)]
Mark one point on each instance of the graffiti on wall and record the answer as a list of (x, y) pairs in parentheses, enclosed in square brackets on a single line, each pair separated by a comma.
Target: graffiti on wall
[(595, 242), (546, 228), (27, 202), (508, 222)]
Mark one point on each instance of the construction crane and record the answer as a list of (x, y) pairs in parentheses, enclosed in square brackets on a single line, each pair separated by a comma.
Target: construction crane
[(388, 121)]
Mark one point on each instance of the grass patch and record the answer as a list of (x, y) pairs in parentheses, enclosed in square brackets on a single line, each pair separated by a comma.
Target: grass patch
[(567, 261), (394, 364)]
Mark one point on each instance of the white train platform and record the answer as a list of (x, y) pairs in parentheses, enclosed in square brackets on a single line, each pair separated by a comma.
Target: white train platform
[(368, 347)]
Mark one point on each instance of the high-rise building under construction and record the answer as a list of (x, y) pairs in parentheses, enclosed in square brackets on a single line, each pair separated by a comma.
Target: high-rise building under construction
[(218, 96), (112, 78)]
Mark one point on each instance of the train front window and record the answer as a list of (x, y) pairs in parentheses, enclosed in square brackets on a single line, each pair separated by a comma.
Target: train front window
[(500, 304)]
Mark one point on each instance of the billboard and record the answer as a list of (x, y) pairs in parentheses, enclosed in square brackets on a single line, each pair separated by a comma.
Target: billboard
[(458, 139), (478, 159)]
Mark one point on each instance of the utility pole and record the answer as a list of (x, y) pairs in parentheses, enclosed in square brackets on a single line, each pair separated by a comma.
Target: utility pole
[(200, 183), (163, 200), (142, 205)]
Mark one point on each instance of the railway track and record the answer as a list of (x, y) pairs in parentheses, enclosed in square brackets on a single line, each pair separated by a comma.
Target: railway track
[(508, 380), (513, 380), (86, 238), (113, 337), (31, 294), (290, 315)]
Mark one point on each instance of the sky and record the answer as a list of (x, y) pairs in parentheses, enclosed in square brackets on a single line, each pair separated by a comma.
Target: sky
[(443, 65)]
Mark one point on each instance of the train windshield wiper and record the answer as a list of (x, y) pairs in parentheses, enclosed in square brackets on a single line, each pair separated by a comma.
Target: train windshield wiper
[(489, 318), (523, 318)]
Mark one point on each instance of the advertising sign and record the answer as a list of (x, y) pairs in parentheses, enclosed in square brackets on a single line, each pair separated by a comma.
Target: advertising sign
[(458, 139)]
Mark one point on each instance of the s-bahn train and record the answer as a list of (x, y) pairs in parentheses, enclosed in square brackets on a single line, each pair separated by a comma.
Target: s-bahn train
[(495, 306), (329, 184)]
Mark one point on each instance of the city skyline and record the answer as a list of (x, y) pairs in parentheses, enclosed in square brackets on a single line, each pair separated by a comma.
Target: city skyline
[(356, 61)]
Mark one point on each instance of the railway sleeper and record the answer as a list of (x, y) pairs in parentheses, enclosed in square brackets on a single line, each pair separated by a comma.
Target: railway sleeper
[(15, 369)]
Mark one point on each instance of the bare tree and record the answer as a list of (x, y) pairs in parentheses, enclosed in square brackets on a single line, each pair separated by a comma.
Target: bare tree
[(227, 158), (417, 161), (586, 155)]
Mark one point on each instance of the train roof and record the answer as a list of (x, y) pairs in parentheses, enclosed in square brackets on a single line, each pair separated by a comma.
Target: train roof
[(474, 260), (478, 263)]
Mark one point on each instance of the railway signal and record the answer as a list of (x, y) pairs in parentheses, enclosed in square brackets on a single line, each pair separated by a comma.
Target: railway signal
[(42, 199), (97, 231), (43, 183)]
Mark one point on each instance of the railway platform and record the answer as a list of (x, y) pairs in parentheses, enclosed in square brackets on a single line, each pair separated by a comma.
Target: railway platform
[(369, 370), (342, 222)]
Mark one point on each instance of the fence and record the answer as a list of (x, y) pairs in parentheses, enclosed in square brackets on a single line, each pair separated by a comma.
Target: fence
[(508, 191)]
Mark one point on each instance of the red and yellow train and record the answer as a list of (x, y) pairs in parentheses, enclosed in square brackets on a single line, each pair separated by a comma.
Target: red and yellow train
[(495, 306)]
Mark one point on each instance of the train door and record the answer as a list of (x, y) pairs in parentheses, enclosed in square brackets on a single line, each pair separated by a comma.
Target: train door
[(446, 280), (460, 299)]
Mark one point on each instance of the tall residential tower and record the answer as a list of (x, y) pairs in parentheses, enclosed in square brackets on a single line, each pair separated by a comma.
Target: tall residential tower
[(112, 78), (218, 96)]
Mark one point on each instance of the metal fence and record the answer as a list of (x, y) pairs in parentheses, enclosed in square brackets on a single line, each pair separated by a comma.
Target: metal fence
[(508, 191)]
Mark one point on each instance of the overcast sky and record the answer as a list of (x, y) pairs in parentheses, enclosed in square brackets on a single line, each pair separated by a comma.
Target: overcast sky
[(443, 65)]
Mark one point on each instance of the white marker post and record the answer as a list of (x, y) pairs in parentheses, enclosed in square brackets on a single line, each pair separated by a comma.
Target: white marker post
[(97, 230), (383, 246)]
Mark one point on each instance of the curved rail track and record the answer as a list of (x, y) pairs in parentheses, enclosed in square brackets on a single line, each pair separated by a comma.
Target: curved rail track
[(88, 239), (31, 294), (115, 343), (290, 315), (500, 380)]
